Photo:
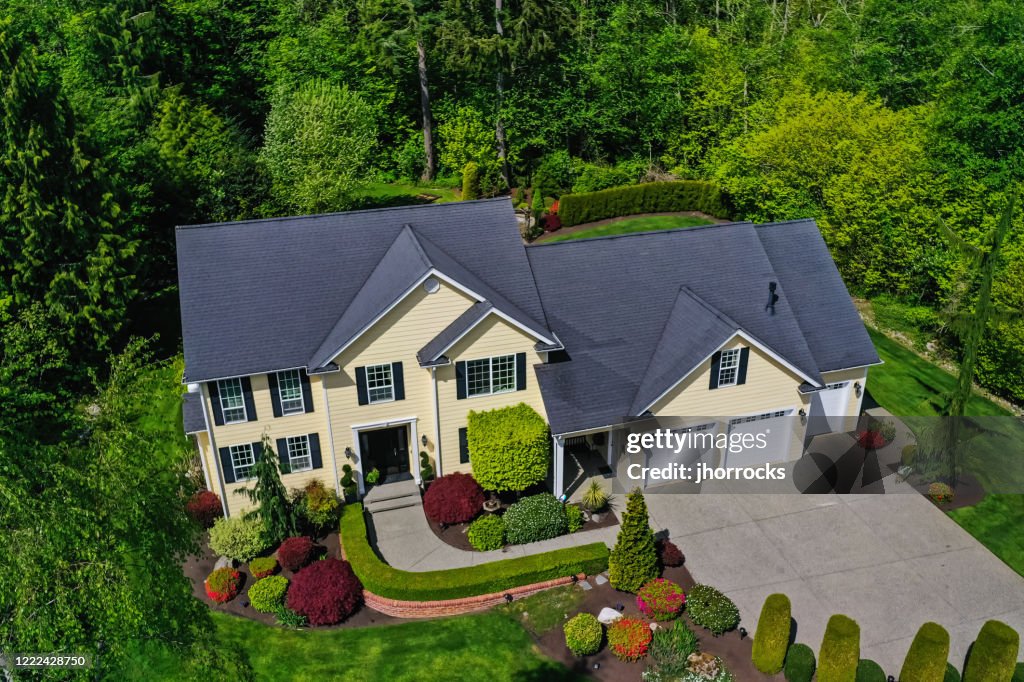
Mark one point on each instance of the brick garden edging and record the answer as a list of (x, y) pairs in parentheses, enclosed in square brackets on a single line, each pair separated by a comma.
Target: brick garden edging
[(399, 608)]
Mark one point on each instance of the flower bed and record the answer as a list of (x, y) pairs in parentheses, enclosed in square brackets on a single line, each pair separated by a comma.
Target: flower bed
[(386, 581), (660, 599)]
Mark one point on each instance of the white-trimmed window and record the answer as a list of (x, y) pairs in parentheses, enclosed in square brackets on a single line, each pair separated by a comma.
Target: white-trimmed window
[(380, 384), (289, 388), (491, 375), (232, 400), (729, 367), (299, 457), (242, 461)]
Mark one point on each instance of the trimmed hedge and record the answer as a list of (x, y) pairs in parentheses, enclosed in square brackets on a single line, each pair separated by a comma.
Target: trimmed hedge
[(928, 654), (510, 447), (799, 663), (772, 638), (649, 197), (840, 650), (471, 581), (711, 609), (869, 671), (993, 656), (535, 518)]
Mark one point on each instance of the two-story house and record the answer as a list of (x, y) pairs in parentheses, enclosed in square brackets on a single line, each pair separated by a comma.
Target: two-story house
[(364, 338)]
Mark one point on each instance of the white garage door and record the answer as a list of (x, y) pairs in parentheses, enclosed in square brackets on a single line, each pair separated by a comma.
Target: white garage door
[(687, 456), (777, 428), (828, 409)]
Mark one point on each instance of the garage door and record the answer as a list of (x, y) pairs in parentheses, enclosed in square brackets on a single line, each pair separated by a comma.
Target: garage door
[(687, 456), (828, 409), (777, 428)]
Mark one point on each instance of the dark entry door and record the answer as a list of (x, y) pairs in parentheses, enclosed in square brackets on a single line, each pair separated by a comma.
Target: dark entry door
[(386, 450)]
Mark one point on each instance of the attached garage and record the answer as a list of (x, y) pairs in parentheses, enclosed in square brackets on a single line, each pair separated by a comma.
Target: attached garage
[(828, 409), (777, 428), (687, 456)]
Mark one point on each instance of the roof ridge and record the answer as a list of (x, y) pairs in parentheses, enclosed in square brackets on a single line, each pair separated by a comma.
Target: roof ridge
[(379, 209), (707, 306), (671, 230)]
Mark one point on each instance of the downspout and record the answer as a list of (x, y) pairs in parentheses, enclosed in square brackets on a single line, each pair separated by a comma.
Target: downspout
[(437, 422), (330, 437), (214, 454)]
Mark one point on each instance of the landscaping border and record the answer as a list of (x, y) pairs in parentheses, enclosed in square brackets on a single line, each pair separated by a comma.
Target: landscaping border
[(482, 582), (648, 197)]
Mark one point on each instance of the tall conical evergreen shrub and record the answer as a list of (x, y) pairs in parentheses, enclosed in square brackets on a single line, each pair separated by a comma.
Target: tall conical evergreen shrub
[(634, 560), (274, 510)]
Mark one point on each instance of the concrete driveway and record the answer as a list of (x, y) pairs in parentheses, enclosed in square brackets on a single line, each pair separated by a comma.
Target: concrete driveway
[(891, 562)]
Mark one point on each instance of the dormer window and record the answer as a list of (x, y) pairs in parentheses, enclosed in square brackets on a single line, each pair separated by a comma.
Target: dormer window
[(728, 368)]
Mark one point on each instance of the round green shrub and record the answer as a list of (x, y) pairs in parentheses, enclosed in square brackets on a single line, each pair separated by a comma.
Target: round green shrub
[(237, 538), (869, 671), (993, 657), (928, 654), (538, 517), (574, 516), (711, 609), (487, 533), (840, 650), (267, 595), (772, 637), (261, 567), (583, 634), (953, 675), (799, 663)]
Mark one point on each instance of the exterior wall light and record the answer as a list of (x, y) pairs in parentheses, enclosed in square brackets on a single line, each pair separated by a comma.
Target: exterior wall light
[(857, 388), (423, 439), (803, 415)]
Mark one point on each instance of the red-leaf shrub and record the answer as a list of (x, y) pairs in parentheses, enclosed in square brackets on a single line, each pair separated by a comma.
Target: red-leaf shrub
[(870, 439), (628, 638), (660, 599), (552, 222), (294, 553), (669, 554), (325, 592), (455, 498), (554, 207), (222, 585), (204, 508)]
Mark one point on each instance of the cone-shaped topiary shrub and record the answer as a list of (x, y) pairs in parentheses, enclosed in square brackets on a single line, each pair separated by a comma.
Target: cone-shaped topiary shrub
[(772, 638), (634, 559), (928, 654), (840, 650), (454, 498)]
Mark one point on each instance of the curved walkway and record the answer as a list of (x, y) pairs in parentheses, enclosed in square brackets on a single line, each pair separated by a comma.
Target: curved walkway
[(404, 540)]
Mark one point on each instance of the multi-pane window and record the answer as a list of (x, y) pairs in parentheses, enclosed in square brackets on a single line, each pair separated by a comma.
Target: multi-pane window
[(380, 386), (491, 375), (299, 458), (232, 402), (242, 461), (757, 417), (289, 387), (728, 367)]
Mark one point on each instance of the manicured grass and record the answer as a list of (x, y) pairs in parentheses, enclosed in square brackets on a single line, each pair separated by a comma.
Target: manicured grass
[(546, 610), (380, 194), (996, 523), (635, 224)]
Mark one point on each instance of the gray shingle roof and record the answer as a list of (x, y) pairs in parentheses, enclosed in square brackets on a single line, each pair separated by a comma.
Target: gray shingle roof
[(264, 295), (616, 303), (192, 412), (447, 336)]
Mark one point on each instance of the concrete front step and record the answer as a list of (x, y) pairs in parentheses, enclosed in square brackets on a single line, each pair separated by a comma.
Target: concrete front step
[(394, 503), (390, 491)]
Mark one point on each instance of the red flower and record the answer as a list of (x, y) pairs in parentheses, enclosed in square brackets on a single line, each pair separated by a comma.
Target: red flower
[(554, 207), (222, 585), (660, 599), (628, 638), (870, 439)]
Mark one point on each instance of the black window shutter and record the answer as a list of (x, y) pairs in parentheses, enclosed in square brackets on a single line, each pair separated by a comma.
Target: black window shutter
[(282, 454), (225, 465), (460, 380), (716, 362), (257, 452), (520, 371), (250, 404), (361, 385), (275, 394), (218, 414), (307, 391), (314, 451), (741, 375), (463, 446), (399, 380)]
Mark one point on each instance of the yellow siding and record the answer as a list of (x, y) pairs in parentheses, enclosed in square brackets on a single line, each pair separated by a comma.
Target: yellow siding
[(769, 386), (491, 337), (394, 338)]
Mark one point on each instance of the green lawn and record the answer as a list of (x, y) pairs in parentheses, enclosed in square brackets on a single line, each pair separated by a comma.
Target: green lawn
[(489, 647), (636, 224), (382, 194), (546, 610), (996, 523)]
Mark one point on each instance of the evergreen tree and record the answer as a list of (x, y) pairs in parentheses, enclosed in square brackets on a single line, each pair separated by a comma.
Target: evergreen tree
[(273, 508), (634, 559)]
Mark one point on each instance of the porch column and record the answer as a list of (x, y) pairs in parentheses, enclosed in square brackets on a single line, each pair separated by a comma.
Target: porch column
[(415, 452), (358, 469), (611, 446), (559, 456)]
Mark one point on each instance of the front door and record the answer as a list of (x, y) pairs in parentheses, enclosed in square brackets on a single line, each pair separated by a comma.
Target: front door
[(386, 450)]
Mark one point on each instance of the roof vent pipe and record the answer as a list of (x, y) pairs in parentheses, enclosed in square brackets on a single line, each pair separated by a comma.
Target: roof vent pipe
[(772, 298)]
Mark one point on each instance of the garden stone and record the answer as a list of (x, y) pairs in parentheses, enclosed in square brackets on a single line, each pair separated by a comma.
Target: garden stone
[(608, 615), (224, 562), (600, 579), (585, 586), (654, 626)]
